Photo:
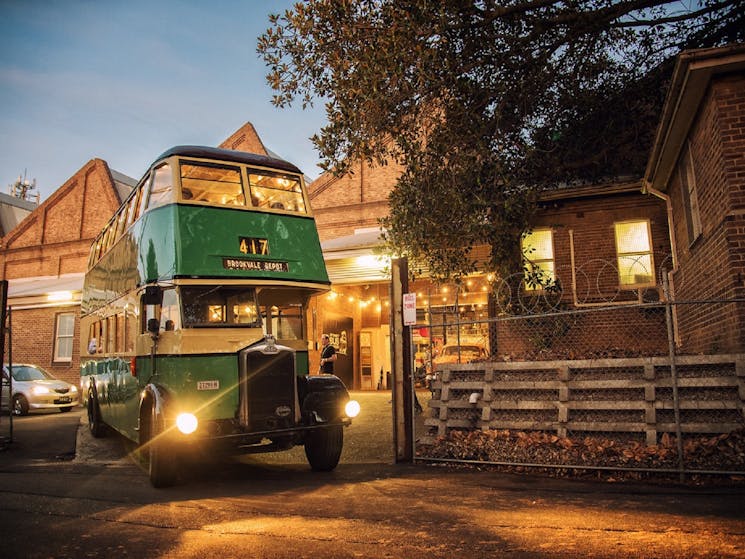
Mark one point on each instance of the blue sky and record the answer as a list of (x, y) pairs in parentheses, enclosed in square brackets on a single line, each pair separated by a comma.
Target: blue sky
[(124, 81)]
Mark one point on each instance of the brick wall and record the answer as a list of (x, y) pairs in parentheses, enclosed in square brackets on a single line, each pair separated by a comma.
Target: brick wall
[(54, 240), (33, 341), (355, 201), (56, 237), (712, 266), (587, 226)]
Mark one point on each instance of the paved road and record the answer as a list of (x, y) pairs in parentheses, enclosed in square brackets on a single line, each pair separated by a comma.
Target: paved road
[(101, 505)]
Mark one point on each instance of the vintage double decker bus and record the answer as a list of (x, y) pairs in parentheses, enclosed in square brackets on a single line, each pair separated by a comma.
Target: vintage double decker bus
[(193, 315)]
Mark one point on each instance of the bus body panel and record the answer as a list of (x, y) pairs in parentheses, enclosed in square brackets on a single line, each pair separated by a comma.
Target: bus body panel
[(206, 385), (194, 241), (215, 242)]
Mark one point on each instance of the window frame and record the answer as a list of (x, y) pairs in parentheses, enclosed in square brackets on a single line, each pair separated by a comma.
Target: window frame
[(536, 263), (56, 356), (689, 190), (631, 254)]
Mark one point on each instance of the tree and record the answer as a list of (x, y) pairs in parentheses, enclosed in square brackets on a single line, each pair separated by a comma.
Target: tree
[(484, 103)]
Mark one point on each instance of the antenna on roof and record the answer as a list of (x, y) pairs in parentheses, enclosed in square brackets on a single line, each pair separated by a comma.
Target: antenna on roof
[(22, 189)]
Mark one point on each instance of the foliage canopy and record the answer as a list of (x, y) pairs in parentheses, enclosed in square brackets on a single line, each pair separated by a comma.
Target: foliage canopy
[(485, 102)]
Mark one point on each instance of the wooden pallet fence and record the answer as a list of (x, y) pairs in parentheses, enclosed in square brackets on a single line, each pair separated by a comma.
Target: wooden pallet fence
[(621, 398)]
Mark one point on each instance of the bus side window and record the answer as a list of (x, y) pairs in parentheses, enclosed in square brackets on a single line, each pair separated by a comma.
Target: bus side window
[(170, 316), (119, 332), (92, 339), (161, 190), (133, 207), (148, 311), (101, 336), (142, 196), (130, 331), (111, 339)]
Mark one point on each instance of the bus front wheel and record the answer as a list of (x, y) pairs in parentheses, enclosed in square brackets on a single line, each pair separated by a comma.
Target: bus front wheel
[(162, 462), (323, 448)]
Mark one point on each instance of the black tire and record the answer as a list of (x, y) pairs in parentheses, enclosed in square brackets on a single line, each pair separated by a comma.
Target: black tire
[(65, 409), (20, 405), (95, 424), (323, 448), (162, 459)]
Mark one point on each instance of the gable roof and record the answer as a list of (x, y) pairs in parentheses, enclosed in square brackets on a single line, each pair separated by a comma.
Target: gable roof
[(694, 71), (76, 210), (245, 139)]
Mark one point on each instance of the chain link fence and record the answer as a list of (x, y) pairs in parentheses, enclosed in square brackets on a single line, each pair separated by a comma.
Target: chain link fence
[(588, 378)]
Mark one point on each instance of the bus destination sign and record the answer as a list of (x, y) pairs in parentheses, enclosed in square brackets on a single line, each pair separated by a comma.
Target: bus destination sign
[(255, 265)]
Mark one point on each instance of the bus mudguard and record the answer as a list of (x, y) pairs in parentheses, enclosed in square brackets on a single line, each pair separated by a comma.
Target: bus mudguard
[(322, 398)]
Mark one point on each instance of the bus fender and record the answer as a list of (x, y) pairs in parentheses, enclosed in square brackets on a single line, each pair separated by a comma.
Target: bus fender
[(153, 403), (155, 395), (322, 398)]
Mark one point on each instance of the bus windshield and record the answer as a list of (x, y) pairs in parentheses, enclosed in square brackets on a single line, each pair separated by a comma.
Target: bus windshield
[(219, 306)]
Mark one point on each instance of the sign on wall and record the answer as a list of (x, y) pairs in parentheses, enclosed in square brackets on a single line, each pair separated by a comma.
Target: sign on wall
[(409, 309)]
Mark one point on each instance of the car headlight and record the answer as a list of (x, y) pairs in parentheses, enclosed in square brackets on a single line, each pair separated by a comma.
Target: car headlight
[(73, 388), (352, 408), (39, 390), (186, 423)]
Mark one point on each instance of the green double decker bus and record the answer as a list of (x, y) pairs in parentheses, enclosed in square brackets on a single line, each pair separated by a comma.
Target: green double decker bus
[(193, 315)]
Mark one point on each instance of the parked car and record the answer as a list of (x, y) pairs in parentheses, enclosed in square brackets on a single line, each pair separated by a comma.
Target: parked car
[(36, 389), (468, 353)]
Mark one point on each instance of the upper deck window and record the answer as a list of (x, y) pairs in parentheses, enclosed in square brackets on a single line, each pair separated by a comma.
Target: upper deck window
[(214, 184), (161, 188), (276, 191)]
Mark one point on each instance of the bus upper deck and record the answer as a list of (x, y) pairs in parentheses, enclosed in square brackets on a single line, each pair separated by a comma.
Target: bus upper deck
[(209, 213)]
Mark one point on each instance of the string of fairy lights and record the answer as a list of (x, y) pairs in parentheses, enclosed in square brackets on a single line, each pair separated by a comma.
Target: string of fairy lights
[(469, 296)]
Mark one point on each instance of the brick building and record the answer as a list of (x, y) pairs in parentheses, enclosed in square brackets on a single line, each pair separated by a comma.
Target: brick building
[(698, 166), (44, 258)]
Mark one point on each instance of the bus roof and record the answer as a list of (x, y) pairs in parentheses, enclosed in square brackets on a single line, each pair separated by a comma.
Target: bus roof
[(205, 152)]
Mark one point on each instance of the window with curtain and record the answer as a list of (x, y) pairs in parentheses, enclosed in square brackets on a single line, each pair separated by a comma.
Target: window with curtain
[(634, 254)]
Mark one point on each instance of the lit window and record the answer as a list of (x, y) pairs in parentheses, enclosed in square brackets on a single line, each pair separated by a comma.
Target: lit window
[(538, 253), (275, 191), (214, 184), (634, 252), (63, 336)]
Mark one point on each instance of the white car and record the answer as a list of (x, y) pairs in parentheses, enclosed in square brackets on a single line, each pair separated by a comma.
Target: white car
[(36, 389)]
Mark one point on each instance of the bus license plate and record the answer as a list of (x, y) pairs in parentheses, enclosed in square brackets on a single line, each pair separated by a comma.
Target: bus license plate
[(208, 385)]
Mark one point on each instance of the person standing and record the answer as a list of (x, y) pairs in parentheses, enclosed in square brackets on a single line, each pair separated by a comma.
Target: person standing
[(328, 356)]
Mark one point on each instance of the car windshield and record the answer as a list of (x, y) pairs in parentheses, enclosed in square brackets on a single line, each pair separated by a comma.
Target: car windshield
[(25, 373)]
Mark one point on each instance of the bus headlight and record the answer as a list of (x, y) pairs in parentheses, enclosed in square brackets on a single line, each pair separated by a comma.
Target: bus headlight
[(352, 409), (187, 423)]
